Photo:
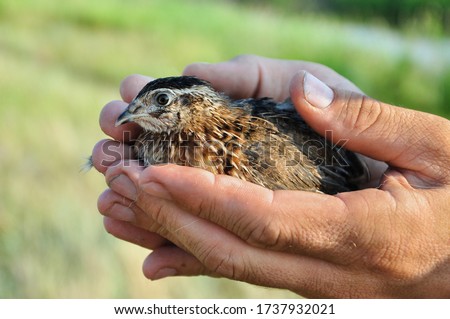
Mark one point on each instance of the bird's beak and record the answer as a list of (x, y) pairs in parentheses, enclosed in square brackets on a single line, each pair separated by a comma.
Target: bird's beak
[(123, 118), (130, 113)]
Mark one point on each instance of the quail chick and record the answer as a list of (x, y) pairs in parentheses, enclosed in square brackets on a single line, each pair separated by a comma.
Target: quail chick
[(186, 122)]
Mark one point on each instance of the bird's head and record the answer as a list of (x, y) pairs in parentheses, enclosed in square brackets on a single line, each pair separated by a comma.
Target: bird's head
[(171, 104)]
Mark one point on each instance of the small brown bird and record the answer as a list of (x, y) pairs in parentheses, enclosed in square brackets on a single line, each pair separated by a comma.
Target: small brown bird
[(186, 122)]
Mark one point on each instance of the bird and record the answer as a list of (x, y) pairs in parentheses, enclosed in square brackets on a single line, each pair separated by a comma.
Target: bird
[(185, 121)]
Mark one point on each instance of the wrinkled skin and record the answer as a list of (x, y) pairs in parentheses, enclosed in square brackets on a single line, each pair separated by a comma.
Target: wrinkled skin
[(392, 240)]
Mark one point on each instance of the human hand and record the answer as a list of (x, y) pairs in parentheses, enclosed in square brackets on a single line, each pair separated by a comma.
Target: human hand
[(250, 77), (387, 242)]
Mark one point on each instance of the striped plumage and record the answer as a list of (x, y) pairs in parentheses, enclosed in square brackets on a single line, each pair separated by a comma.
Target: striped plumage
[(186, 122)]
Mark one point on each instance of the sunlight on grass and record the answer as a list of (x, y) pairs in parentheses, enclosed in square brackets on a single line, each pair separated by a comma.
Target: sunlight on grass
[(60, 62)]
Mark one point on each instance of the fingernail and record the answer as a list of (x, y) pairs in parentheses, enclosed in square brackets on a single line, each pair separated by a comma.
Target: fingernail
[(121, 212), (316, 92), (112, 179), (156, 189), (164, 272), (123, 185)]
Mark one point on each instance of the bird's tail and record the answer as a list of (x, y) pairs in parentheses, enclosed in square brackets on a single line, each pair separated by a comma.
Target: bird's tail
[(87, 165)]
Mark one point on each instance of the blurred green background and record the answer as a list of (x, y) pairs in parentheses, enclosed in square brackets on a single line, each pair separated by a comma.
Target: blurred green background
[(61, 61)]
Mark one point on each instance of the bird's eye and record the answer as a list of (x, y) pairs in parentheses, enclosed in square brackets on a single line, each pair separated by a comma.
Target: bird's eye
[(163, 99)]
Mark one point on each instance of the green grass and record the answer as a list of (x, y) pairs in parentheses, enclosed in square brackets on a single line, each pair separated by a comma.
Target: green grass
[(60, 62)]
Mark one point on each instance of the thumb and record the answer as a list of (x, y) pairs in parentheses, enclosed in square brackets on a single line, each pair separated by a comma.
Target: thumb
[(406, 139), (238, 80)]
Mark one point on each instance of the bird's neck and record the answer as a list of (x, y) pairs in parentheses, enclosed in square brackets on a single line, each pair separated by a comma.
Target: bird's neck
[(221, 123)]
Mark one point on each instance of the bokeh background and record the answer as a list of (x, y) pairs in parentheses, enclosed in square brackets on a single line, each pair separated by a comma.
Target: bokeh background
[(61, 61)]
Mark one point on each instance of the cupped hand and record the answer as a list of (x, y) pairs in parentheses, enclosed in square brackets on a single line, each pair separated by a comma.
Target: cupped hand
[(389, 241)]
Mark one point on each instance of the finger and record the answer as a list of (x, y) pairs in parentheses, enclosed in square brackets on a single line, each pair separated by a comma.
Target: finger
[(131, 86), (109, 152), (172, 261), (397, 136), (113, 205), (253, 76), (121, 199), (224, 254), (228, 77), (133, 234), (123, 178), (321, 226), (108, 116)]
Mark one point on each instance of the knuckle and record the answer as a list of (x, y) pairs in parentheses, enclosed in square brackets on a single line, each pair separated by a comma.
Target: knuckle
[(155, 209), (226, 261), (434, 146), (210, 206), (219, 260), (266, 234), (266, 230), (369, 115), (205, 207)]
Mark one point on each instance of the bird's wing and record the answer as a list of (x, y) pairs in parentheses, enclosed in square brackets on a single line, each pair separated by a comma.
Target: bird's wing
[(340, 169)]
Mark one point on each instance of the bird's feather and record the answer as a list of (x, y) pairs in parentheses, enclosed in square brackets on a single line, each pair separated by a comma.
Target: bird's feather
[(258, 140)]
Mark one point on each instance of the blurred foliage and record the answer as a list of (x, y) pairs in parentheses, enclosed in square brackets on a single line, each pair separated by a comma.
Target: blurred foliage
[(433, 15), (60, 62), (397, 13)]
